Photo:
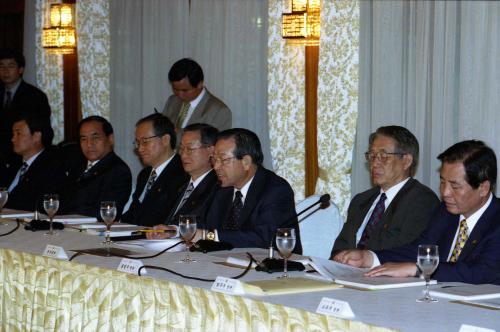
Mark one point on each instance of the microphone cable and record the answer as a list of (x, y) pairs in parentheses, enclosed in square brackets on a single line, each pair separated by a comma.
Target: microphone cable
[(13, 230)]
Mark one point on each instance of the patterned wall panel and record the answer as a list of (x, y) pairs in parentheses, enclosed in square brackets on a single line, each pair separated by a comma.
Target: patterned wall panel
[(337, 98)]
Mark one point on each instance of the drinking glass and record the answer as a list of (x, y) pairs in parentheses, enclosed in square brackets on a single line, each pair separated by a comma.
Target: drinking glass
[(285, 242), (187, 230), (108, 214), (427, 261), (51, 205), (4, 196)]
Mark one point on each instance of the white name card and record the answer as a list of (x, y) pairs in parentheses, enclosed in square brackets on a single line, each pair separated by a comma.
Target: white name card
[(131, 266), (55, 252), (228, 286), (336, 308), (471, 328)]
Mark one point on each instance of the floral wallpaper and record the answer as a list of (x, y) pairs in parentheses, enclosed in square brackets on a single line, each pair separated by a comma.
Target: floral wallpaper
[(49, 75), (286, 104), (337, 98), (93, 56)]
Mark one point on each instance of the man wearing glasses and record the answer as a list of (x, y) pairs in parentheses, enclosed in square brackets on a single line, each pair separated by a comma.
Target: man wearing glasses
[(196, 150), (158, 184), (398, 208)]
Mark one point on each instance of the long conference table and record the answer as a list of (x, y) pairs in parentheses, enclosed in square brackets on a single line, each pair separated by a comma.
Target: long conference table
[(40, 293)]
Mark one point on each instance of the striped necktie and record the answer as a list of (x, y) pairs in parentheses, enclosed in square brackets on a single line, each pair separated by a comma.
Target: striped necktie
[(234, 216), (22, 171), (187, 193), (376, 216), (151, 181), (461, 239), (182, 114), (7, 99)]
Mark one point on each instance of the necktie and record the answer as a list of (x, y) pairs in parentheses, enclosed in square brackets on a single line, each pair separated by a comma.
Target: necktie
[(461, 239), (234, 215), (182, 114), (22, 171), (8, 99), (151, 181), (377, 213), (187, 193), (89, 166)]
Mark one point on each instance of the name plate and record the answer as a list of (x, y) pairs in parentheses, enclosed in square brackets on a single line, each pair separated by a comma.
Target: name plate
[(471, 328), (53, 251), (336, 308), (131, 266), (228, 286)]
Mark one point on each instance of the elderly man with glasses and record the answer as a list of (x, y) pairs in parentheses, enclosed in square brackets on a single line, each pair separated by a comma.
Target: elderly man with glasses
[(398, 208), (159, 183)]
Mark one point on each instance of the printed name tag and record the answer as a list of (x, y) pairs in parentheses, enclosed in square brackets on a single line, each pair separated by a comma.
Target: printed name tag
[(131, 266), (336, 308), (55, 252), (228, 286), (471, 328)]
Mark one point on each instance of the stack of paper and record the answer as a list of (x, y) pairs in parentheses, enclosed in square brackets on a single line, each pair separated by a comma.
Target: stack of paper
[(10, 213), (286, 286), (467, 292)]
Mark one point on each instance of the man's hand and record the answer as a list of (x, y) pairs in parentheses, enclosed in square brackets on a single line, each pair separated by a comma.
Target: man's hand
[(164, 232), (393, 270), (355, 257)]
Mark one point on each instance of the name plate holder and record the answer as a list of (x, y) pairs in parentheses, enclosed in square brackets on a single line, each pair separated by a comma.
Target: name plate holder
[(228, 286), (57, 252), (131, 266), (333, 307)]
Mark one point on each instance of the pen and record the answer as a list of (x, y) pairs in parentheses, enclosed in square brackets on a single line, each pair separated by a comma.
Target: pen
[(156, 231)]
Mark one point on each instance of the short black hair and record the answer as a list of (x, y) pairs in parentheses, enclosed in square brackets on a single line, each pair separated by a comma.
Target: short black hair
[(106, 126), (161, 126), (247, 143), (406, 142), (208, 133), (9, 53), (38, 123), (186, 68), (479, 161)]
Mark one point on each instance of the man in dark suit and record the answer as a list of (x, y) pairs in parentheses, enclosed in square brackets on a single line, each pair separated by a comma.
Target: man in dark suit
[(103, 176), (396, 211), (466, 227), (17, 97), (159, 183), (196, 149), (191, 101), (252, 201), (40, 172)]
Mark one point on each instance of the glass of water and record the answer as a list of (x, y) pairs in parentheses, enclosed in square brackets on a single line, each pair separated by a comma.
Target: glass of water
[(285, 242), (427, 261), (108, 215), (187, 230), (51, 205)]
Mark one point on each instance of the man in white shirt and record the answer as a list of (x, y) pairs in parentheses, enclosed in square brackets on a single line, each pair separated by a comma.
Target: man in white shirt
[(159, 183), (191, 101), (397, 209), (466, 227)]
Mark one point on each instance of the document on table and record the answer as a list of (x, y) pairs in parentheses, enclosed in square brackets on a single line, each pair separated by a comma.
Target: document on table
[(492, 304), (11, 213), (376, 283), (72, 219), (286, 286), (331, 270), (467, 292)]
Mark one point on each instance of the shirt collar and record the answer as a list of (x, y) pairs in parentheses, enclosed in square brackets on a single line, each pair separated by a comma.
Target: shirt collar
[(393, 191), (197, 100), (199, 179), (14, 88), (473, 219), (162, 166), (244, 190), (32, 158)]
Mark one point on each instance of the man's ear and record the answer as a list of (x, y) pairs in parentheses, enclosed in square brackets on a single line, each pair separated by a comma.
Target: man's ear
[(247, 162), (408, 160), (484, 188)]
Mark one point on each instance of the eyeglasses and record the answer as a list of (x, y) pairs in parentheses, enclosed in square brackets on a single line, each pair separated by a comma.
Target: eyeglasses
[(189, 150), (381, 156), (143, 141), (222, 161)]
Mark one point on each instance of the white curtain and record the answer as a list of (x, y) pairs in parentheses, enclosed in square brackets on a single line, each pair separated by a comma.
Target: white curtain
[(228, 39), (433, 67)]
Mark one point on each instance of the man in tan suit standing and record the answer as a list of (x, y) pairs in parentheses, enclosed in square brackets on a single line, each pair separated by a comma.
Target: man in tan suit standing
[(191, 101)]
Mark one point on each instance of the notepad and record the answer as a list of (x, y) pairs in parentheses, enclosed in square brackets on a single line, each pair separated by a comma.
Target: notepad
[(11, 213), (492, 304), (467, 292), (286, 286), (377, 283), (73, 219)]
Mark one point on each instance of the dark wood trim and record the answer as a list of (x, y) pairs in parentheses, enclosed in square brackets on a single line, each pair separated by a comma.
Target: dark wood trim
[(72, 104), (311, 130)]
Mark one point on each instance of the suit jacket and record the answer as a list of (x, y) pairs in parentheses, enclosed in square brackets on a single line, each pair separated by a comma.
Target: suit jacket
[(210, 110), (479, 261), (108, 180), (159, 201), (44, 176), (28, 99), (197, 203), (402, 222), (269, 205)]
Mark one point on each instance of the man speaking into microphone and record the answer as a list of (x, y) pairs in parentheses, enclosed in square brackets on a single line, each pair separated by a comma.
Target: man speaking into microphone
[(252, 202)]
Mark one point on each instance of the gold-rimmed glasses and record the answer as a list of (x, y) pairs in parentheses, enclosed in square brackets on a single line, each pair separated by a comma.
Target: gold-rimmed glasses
[(188, 150), (219, 160), (381, 156), (144, 141)]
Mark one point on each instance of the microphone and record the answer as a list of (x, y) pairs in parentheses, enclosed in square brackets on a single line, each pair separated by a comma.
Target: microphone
[(323, 201)]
